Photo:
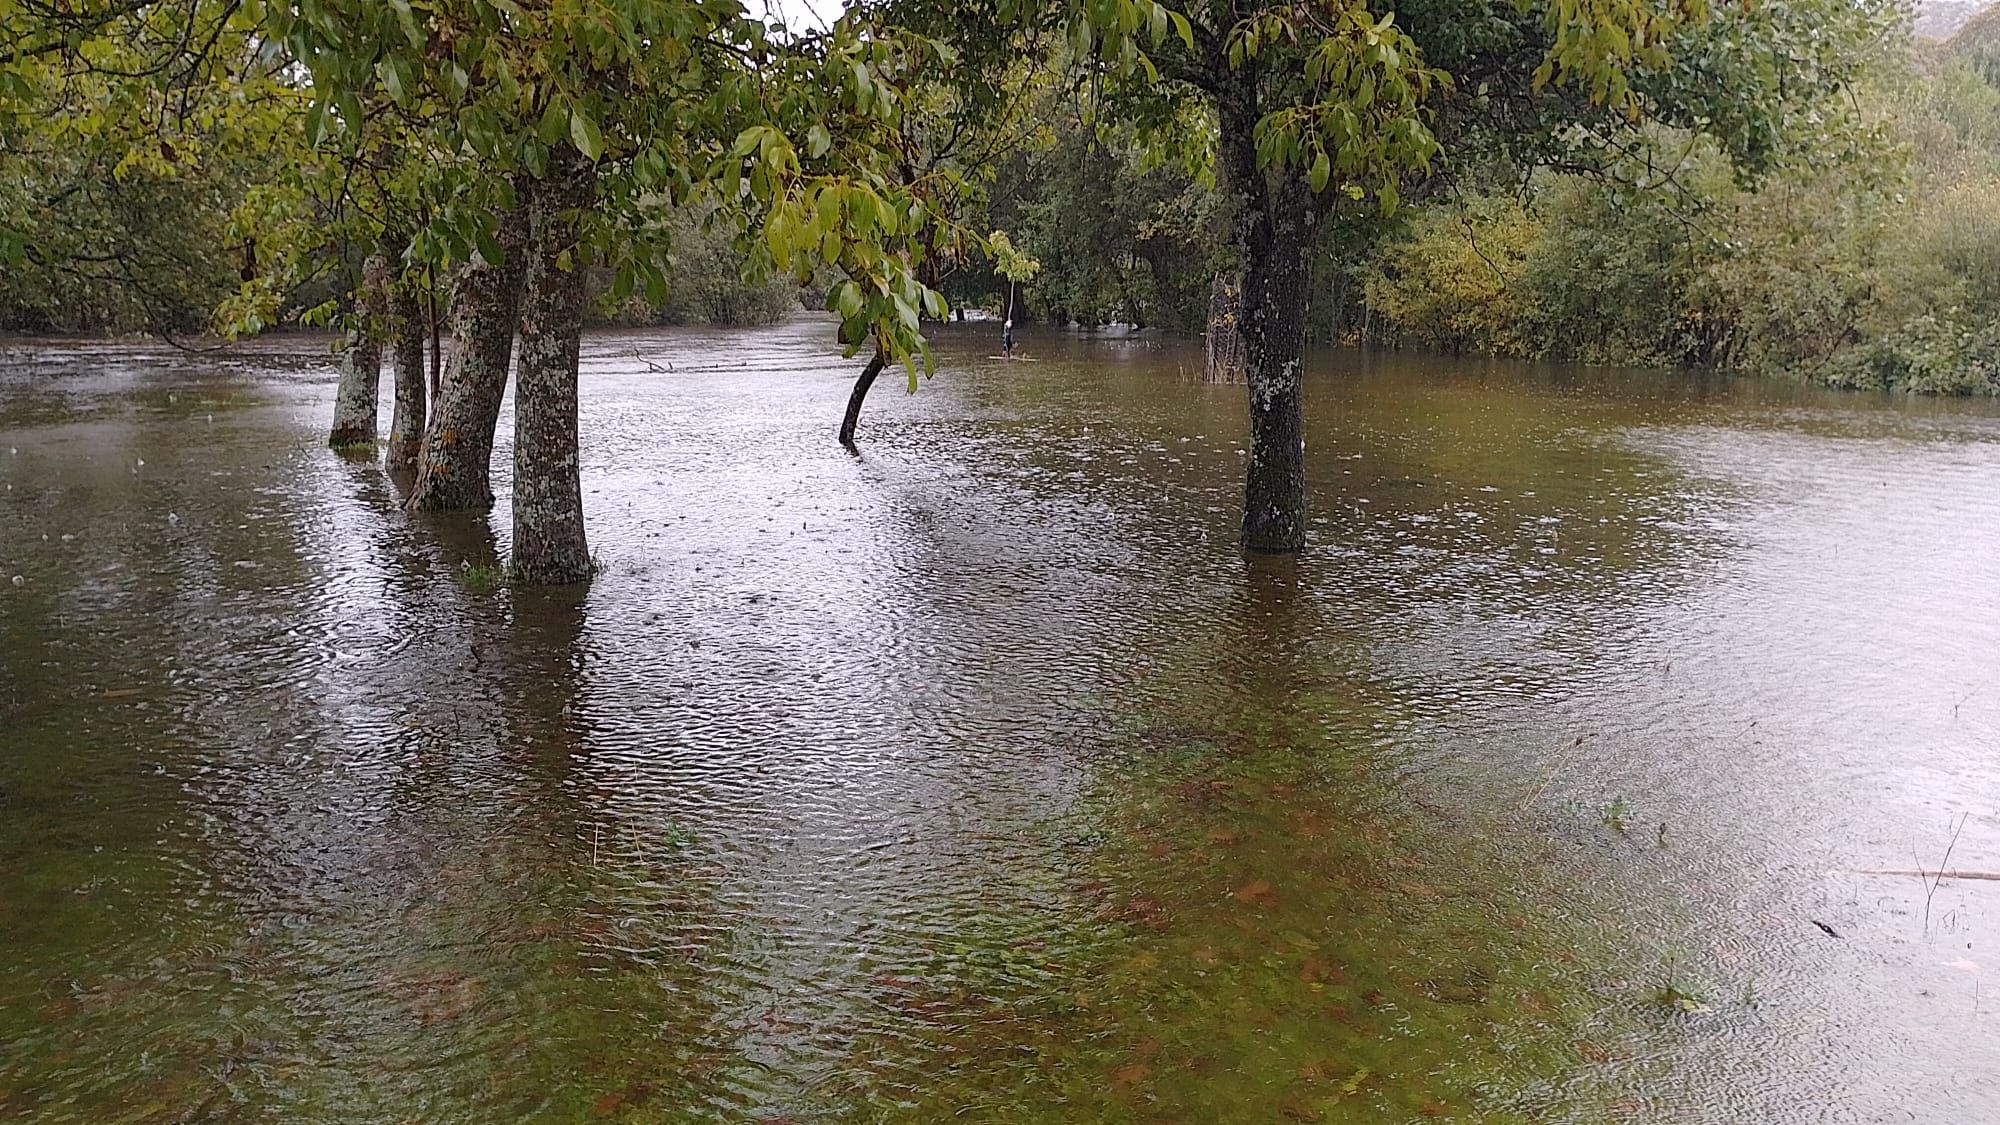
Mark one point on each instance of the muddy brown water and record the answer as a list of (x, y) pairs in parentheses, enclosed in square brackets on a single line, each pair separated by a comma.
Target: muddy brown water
[(978, 776)]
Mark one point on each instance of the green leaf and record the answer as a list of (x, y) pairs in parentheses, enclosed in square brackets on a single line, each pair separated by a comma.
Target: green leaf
[(845, 300), (555, 118), (777, 236), (392, 81), (1322, 171), (408, 21), (316, 122), (583, 133)]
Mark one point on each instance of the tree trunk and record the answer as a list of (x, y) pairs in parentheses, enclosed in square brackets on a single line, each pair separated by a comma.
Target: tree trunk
[(431, 326), (1274, 498), (355, 403), (1223, 343), (549, 545), (854, 400), (1274, 222), (454, 466), (406, 429)]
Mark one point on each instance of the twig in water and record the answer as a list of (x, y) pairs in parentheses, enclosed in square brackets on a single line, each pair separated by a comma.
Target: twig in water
[(1988, 876), (1561, 757), (1930, 891)]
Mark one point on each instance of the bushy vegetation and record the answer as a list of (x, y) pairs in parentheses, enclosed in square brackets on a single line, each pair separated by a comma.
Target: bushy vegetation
[(1868, 259), (1122, 237), (706, 283)]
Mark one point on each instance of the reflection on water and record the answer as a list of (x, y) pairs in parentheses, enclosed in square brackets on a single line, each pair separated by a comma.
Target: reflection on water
[(979, 774)]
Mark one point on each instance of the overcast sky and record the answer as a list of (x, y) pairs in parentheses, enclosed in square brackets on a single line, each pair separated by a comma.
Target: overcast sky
[(800, 13)]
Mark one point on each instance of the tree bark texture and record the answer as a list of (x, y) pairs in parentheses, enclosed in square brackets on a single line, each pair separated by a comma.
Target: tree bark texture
[(454, 465), (549, 544), (406, 426), (1275, 220), (355, 402), (431, 326), (1223, 343), (854, 400)]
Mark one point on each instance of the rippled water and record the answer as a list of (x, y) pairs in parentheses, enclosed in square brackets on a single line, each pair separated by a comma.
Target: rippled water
[(979, 776)]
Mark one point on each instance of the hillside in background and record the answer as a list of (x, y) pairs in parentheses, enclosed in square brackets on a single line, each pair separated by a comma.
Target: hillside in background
[(1977, 40), (1941, 19)]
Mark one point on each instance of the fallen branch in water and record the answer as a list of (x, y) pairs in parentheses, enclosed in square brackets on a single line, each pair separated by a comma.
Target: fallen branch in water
[(1990, 876)]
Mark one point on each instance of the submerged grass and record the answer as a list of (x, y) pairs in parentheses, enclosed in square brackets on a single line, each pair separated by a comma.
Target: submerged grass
[(482, 576), (1265, 929)]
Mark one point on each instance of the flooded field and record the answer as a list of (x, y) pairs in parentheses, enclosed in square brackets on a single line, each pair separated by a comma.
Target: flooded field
[(1580, 772)]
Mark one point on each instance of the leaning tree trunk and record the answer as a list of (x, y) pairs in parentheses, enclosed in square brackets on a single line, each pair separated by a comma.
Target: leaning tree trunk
[(854, 400), (1274, 221), (454, 466), (549, 546), (406, 429), (1223, 342), (354, 404)]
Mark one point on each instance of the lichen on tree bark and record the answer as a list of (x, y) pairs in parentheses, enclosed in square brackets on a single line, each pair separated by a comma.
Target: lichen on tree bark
[(355, 401), (549, 543)]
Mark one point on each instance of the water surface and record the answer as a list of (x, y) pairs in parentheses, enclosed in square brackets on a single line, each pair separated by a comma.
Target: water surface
[(979, 775)]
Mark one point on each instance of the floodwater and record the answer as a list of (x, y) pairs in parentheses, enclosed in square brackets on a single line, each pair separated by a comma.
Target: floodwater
[(979, 777)]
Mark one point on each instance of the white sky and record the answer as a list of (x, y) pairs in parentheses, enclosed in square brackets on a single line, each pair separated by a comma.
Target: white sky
[(800, 13)]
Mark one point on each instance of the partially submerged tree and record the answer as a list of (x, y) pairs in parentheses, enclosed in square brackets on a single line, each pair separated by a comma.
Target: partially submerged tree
[(1222, 341), (409, 333), (1013, 265), (875, 150), (355, 401), (1323, 107), (454, 462), (582, 114)]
